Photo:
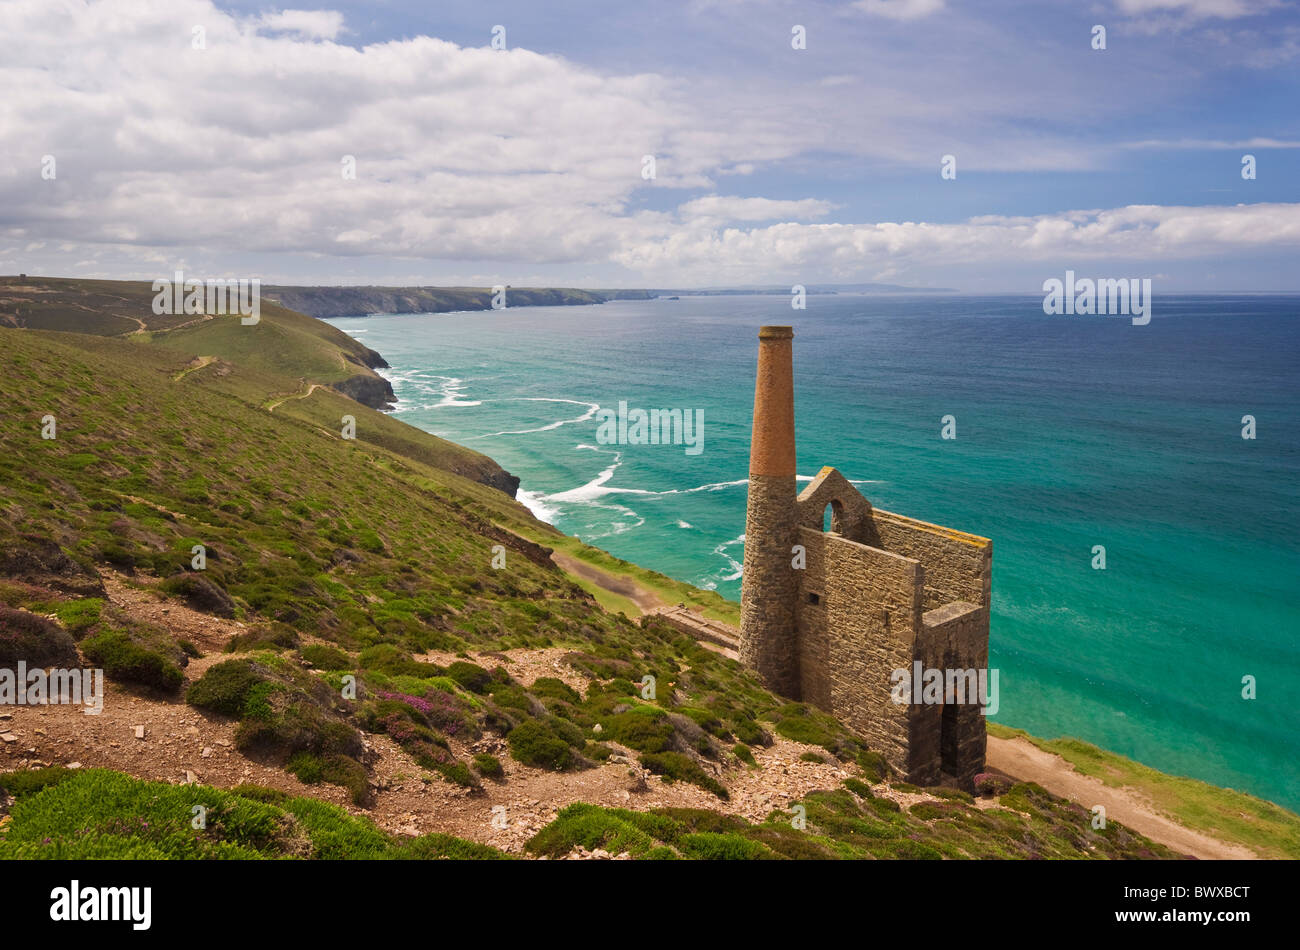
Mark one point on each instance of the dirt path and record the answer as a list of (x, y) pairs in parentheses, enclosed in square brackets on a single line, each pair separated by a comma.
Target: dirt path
[(271, 406), (198, 363), (1024, 760), (645, 599)]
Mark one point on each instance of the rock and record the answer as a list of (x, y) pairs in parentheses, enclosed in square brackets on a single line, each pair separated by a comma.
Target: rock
[(139, 732), (207, 752), (8, 737), (190, 777), (597, 728), (74, 765)]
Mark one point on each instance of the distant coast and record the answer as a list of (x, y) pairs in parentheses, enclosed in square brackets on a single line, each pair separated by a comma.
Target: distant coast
[(333, 302)]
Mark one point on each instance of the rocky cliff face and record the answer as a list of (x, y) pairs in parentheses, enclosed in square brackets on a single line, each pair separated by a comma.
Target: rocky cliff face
[(327, 302), (372, 391)]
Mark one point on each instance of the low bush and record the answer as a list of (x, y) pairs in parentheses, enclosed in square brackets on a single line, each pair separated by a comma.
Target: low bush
[(126, 661), (326, 657), (36, 641)]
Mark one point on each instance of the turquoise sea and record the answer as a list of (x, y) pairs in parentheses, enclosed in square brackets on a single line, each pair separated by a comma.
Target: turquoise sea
[(1071, 432)]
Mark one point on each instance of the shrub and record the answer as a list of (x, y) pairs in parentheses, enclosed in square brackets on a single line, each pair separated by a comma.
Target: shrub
[(741, 751), (750, 732), (386, 658), (29, 782), (859, 788), (458, 773), (225, 688), (874, 767), (334, 769), (591, 826), (988, 784), (439, 846), (127, 661), (512, 696), (470, 676), (35, 640), (723, 847), (643, 728), (79, 615), (199, 593), (533, 742), (272, 636), (548, 687), (326, 657), (673, 766), (489, 766), (811, 757)]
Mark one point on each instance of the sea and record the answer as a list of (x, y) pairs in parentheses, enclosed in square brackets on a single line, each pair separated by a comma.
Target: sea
[(1073, 442)]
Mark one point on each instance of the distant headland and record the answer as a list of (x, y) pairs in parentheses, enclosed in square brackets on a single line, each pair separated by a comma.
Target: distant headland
[(363, 301)]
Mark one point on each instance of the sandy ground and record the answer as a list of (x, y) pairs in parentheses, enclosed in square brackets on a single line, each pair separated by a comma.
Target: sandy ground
[(1025, 761)]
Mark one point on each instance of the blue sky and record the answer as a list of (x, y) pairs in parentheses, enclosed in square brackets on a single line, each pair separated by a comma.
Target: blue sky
[(773, 164)]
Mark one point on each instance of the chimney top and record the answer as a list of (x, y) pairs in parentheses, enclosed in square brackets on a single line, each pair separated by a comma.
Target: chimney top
[(776, 333)]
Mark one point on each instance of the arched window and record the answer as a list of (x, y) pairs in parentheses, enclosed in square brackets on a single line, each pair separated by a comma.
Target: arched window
[(832, 517)]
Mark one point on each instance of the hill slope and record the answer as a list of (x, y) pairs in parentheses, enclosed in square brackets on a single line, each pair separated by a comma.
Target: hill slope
[(374, 629)]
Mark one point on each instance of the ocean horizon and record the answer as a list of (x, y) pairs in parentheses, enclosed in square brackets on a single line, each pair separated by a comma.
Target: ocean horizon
[(1071, 432)]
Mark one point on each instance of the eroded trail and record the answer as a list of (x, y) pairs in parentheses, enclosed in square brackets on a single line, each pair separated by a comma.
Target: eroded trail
[(1024, 760)]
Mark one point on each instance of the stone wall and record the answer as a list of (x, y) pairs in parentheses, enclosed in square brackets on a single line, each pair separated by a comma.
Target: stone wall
[(863, 626), (956, 637), (768, 641), (957, 565)]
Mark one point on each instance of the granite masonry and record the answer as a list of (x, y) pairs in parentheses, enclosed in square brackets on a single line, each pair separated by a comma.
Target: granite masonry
[(827, 617)]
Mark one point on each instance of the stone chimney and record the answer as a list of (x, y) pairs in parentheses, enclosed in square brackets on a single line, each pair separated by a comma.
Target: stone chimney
[(769, 641)]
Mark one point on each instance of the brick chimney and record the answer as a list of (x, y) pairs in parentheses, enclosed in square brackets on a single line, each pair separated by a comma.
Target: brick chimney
[(769, 642)]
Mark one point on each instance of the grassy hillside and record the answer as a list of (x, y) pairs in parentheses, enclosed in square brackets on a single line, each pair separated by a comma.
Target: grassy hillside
[(348, 563), (284, 344), (359, 301)]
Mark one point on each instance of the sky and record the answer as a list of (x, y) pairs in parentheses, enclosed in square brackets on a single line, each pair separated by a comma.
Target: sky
[(483, 143)]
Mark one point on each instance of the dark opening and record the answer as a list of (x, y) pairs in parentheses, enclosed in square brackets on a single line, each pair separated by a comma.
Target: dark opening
[(814, 598), (831, 517)]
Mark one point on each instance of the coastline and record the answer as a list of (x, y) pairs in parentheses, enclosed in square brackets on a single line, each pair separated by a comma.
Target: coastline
[(627, 585)]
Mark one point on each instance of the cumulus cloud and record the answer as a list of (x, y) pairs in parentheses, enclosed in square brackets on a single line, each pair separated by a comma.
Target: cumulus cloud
[(722, 209), (846, 251), (317, 24), (490, 162)]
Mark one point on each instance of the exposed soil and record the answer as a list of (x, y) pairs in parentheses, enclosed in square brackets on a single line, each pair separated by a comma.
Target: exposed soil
[(1024, 760), (181, 744), (645, 599)]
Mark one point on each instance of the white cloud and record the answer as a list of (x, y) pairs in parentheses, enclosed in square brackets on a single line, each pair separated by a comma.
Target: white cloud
[(489, 161), (316, 24), (1211, 144), (723, 208), (1198, 9), (1136, 233), (899, 9)]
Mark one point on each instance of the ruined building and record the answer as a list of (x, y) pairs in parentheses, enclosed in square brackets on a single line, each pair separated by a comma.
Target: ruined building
[(876, 593)]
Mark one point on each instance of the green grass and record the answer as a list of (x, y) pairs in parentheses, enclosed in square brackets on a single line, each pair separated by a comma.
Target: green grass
[(379, 549), (100, 814), (836, 825)]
